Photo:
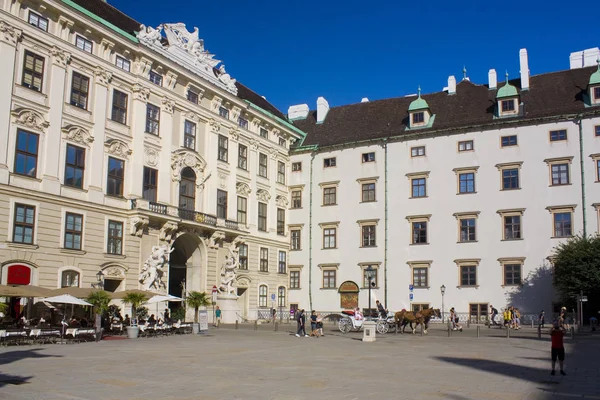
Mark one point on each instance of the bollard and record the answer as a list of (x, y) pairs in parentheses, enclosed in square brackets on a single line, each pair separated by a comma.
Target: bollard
[(422, 329), (478, 331), (276, 326), (396, 329), (532, 322), (469, 323), (539, 331), (508, 332), (236, 324), (255, 325), (449, 329)]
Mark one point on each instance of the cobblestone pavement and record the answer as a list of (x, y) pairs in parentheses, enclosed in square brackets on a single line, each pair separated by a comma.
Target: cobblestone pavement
[(248, 364)]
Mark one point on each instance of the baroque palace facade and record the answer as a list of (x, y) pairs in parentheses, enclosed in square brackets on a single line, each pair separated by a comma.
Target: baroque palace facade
[(118, 140)]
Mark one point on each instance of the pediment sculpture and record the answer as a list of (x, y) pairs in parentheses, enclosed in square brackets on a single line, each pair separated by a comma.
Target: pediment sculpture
[(243, 189), (30, 119), (77, 134), (153, 269), (117, 148), (263, 195), (281, 201), (183, 158)]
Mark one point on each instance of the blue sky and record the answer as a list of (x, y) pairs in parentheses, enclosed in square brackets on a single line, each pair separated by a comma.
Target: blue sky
[(291, 52)]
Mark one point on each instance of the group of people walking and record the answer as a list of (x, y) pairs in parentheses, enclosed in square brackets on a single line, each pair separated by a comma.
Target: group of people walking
[(316, 324)]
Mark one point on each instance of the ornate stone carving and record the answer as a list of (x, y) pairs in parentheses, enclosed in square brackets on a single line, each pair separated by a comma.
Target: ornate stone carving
[(216, 239), (143, 66), (254, 144), (281, 201), (60, 57), (235, 113), (152, 271), (263, 195), (256, 123), (243, 189), (140, 93), (198, 91), (184, 158), (117, 148), (151, 157), (234, 133), (137, 225), (171, 80), (215, 126), (215, 103), (103, 77), (168, 105), (192, 116), (168, 231), (114, 272), (273, 153), (9, 34), (228, 275), (223, 180), (77, 134), (29, 118)]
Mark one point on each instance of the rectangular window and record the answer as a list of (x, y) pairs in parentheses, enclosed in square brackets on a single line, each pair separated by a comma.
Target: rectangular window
[(368, 157), (38, 21), (193, 97), (149, 191), (329, 162), (329, 238), (243, 256), (242, 210), (281, 172), (558, 135), (368, 236), (26, 154), (262, 165), (597, 170), (80, 90), (224, 112), (368, 192), (329, 279), (296, 167), (468, 275), (562, 224), (466, 182), (467, 230), (597, 130), (33, 71), (83, 44), (264, 259), (223, 149), (510, 179), (507, 141), (221, 204), (419, 232), (508, 105), (123, 63), (418, 151), (282, 142), (329, 196), (263, 133), (281, 221), (189, 135), (114, 244), (373, 282), (243, 157), (156, 78), (119, 107), (116, 177), (152, 119), (420, 277), (243, 123), (295, 239), (597, 93), (24, 224), (419, 188), (262, 217), (294, 279), (512, 227), (296, 199), (466, 145), (73, 231), (418, 117), (74, 166), (560, 174), (512, 274), (282, 266), (262, 296)]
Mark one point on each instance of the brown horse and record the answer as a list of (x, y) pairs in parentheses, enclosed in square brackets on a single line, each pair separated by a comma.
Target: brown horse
[(403, 318)]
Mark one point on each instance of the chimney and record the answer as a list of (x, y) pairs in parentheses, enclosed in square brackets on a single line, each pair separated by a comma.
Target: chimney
[(524, 63), (492, 79), (364, 100), (298, 112), (451, 84), (322, 109)]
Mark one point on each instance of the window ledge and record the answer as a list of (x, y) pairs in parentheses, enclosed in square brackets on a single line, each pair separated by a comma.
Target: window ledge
[(511, 240), (124, 124), (461, 193), (16, 174), (368, 247), (368, 201), (421, 287), (328, 205), (418, 197), (74, 188), (467, 241), (295, 288), (328, 248), (561, 237), (263, 272), (296, 208), (155, 135), (72, 251), (116, 196), (419, 244), (117, 256), (511, 286), (329, 288), (25, 246), (282, 273), (560, 184), (509, 189), (366, 288), (468, 287)]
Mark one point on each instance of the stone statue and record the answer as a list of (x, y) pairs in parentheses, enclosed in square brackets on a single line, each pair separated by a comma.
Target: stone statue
[(152, 272), (150, 34), (228, 275), (225, 77)]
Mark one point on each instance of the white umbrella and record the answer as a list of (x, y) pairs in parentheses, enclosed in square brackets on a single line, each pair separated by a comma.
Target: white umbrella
[(160, 298), (66, 299)]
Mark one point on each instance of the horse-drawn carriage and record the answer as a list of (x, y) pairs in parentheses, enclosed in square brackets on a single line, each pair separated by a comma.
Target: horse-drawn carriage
[(351, 322)]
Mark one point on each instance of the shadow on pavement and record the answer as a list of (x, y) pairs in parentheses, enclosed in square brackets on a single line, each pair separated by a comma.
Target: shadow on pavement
[(529, 374), (12, 356)]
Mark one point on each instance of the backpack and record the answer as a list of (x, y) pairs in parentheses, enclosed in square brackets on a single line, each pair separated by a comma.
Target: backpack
[(494, 311), (299, 316)]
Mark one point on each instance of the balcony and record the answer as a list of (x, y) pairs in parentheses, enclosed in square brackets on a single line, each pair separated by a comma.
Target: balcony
[(187, 215)]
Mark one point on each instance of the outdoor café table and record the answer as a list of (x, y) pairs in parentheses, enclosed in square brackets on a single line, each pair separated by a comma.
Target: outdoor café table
[(43, 335), (12, 336)]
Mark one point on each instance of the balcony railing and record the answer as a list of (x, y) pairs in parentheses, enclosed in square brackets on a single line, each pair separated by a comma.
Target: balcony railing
[(231, 224), (188, 215)]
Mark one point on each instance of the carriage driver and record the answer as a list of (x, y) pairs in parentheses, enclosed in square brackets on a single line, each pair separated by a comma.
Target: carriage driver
[(381, 310)]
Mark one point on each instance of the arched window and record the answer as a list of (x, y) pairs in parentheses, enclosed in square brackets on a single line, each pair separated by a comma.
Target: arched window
[(262, 295), (69, 278), (281, 296), (187, 190)]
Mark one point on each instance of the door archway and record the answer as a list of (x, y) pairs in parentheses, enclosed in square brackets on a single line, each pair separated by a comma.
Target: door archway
[(186, 265), (348, 295)]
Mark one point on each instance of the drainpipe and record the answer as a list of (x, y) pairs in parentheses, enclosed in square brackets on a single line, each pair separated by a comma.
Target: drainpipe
[(385, 224), (310, 208), (578, 121)]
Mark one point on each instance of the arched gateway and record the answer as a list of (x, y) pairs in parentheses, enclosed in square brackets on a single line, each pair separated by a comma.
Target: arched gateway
[(187, 265)]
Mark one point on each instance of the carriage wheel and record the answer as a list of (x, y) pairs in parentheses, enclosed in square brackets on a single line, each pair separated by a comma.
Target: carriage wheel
[(345, 325), (382, 327)]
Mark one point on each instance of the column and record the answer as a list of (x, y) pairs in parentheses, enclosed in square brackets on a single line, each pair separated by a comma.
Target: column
[(101, 80), (166, 133), (138, 128), (272, 174), (8, 49)]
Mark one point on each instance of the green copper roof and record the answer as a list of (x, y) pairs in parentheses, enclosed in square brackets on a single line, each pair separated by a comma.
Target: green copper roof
[(418, 104), (507, 90), (595, 78)]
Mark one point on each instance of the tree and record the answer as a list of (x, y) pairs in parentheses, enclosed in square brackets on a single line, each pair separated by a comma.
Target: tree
[(100, 300), (577, 268), (136, 300), (196, 300)]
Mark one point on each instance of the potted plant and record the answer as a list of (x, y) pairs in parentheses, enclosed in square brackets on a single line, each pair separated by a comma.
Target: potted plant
[(135, 300), (196, 300), (100, 300)]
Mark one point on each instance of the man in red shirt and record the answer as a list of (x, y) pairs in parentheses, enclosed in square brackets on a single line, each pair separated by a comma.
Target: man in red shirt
[(557, 334)]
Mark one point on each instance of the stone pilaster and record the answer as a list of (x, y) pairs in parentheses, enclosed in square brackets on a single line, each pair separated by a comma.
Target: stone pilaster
[(138, 128), (166, 133)]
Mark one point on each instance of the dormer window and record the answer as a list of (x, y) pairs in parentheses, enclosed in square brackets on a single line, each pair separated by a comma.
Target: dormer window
[(507, 98), (418, 118), (596, 95), (594, 85), (419, 114), (507, 106)]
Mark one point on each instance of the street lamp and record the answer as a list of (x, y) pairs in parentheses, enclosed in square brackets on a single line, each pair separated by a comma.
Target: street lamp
[(370, 271), (443, 291), (100, 280)]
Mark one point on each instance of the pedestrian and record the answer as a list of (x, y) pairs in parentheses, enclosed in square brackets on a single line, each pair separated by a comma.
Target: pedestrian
[(506, 315), (541, 318), (301, 324), (557, 333), (493, 313), (218, 316), (320, 324), (517, 319), (313, 324), (381, 309), (454, 318)]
